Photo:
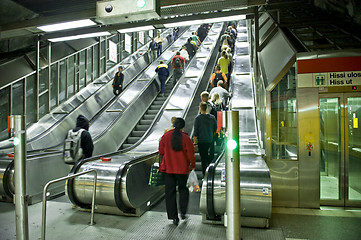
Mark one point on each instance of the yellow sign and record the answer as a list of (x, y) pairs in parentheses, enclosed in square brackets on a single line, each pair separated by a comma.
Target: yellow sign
[(355, 123)]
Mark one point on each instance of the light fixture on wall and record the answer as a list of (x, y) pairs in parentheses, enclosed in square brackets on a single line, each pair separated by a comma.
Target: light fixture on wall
[(88, 35), (67, 25), (136, 29)]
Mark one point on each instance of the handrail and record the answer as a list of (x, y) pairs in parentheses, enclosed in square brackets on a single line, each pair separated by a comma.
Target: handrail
[(43, 215)]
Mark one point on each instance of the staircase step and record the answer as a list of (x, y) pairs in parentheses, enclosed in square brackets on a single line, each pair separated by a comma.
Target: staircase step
[(132, 140), (149, 116), (137, 133), (157, 102), (155, 107), (145, 122), (154, 112), (141, 127), (126, 145)]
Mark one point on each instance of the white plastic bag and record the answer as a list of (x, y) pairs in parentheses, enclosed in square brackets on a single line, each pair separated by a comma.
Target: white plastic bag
[(192, 182)]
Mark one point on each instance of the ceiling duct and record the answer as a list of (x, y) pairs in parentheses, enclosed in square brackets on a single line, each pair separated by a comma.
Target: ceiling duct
[(121, 11)]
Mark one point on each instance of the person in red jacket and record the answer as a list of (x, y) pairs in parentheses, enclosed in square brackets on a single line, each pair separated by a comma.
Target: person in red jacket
[(177, 150)]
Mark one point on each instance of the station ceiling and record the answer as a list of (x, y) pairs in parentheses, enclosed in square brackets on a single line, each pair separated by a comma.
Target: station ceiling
[(21, 17)]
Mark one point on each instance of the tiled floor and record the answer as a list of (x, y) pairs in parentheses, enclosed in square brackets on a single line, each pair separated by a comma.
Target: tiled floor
[(330, 186), (64, 222)]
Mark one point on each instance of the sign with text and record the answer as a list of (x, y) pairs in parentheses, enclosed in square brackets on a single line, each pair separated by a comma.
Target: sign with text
[(113, 52), (329, 72)]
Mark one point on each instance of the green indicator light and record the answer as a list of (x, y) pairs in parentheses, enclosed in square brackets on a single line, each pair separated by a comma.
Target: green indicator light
[(16, 141), (231, 144), (141, 3)]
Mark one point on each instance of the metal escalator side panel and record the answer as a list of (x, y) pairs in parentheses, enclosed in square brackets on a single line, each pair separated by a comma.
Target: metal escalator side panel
[(6, 178)]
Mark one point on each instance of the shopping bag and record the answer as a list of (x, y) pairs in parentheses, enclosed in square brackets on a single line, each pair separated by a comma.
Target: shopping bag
[(156, 178), (192, 182)]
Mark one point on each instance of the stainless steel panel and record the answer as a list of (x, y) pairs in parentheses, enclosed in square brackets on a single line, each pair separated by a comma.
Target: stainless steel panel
[(309, 161), (284, 179), (135, 192), (255, 182)]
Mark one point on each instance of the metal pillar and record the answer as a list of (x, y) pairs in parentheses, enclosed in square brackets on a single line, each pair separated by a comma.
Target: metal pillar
[(17, 123), (37, 80), (256, 43), (49, 77), (233, 194)]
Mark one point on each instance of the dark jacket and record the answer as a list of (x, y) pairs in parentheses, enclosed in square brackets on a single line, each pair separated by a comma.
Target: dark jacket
[(191, 49), (162, 70), (86, 140), (205, 126), (153, 46), (176, 162), (118, 80), (202, 33)]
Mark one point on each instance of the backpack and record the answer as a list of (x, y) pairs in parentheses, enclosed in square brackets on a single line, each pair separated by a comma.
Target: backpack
[(177, 63), (217, 78), (73, 152)]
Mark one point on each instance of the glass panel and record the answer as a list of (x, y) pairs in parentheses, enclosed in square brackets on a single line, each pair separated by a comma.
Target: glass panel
[(18, 98), (354, 148), (71, 76), (43, 79), (96, 62), (89, 65), (43, 104), (53, 85), (30, 99), (330, 149), (5, 111), (283, 117), (62, 81), (82, 69)]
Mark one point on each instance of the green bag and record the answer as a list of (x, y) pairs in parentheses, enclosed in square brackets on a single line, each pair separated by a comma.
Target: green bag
[(156, 178)]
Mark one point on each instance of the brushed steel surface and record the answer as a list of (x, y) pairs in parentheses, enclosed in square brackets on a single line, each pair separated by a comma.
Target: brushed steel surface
[(255, 183), (134, 188), (309, 161), (53, 127)]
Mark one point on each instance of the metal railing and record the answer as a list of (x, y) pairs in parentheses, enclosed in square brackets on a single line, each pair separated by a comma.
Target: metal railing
[(43, 216)]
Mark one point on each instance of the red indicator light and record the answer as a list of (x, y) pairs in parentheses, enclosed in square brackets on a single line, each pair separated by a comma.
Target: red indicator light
[(354, 87)]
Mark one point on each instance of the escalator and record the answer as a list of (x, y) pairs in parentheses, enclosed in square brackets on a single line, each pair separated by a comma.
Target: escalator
[(52, 160), (255, 182), (122, 186)]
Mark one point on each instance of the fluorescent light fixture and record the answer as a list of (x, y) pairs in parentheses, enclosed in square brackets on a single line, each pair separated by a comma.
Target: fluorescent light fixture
[(136, 29), (88, 35), (67, 25), (208, 20), (185, 23)]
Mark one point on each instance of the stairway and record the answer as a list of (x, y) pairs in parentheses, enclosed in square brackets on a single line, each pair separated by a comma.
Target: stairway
[(147, 119)]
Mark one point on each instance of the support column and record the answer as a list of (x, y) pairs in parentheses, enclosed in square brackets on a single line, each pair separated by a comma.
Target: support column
[(49, 76), (256, 43), (233, 194), (36, 90), (17, 123)]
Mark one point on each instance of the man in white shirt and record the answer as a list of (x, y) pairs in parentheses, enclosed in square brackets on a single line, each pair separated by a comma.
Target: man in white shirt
[(223, 93), (184, 53), (159, 39)]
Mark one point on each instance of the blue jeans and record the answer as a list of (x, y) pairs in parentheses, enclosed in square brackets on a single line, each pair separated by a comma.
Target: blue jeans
[(159, 50), (162, 80)]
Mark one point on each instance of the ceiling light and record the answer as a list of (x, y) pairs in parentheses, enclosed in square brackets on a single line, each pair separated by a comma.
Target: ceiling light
[(136, 29), (208, 20), (67, 25), (88, 35)]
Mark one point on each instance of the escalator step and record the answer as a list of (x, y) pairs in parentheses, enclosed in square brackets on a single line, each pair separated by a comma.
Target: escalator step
[(199, 166), (137, 133), (149, 116), (156, 102), (145, 122), (156, 107), (154, 112), (132, 140), (141, 127), (126, 145)]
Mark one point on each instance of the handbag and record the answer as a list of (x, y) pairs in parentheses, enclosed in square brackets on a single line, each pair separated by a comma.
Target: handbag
[(156, 178)]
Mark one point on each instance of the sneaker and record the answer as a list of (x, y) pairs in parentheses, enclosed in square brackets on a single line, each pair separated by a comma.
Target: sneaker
[(183, 216), (176, 221), (162, 94)]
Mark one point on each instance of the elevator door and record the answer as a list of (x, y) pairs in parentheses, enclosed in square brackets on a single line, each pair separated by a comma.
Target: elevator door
[(340, 160)]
